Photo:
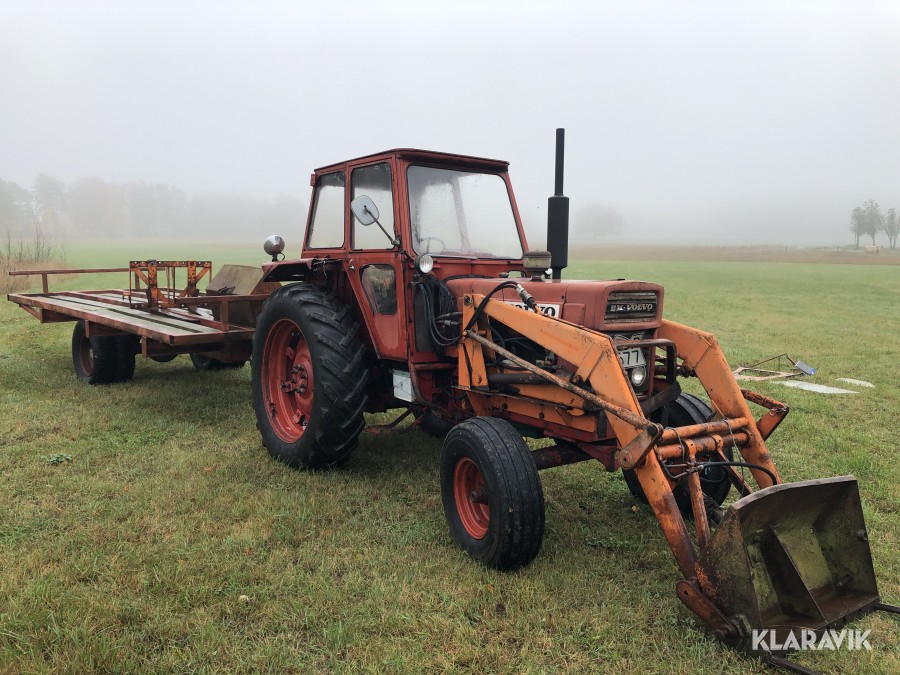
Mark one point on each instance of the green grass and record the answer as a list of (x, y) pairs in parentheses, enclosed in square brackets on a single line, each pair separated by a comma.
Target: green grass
[(170, 542)]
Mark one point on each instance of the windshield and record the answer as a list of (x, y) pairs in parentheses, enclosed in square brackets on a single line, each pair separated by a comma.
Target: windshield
[(461, 213)]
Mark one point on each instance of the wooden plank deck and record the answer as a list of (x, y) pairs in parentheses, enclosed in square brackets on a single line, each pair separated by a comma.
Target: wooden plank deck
[(154, 325)]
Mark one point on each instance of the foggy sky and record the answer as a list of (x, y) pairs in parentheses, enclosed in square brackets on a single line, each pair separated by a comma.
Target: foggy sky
[(752, 122)]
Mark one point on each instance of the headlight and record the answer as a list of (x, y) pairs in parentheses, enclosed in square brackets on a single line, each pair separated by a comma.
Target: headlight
[(274, 245), (638, 375), (424, 263)]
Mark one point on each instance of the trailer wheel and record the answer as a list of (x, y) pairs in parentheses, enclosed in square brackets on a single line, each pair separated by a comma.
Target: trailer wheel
[(687, 409), (126, 348), (206, 363), (96, 359), (492, 493), (309, 379)]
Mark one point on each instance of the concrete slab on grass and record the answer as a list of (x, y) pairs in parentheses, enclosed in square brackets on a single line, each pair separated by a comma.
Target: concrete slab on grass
[(858, 383), (818, 388)]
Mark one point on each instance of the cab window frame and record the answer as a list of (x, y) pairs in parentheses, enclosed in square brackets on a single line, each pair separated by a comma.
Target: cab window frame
[(314, 213), (384, 213)]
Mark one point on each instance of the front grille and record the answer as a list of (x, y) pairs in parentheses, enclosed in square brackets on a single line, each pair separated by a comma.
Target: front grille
[(627, 337), (631, 306)]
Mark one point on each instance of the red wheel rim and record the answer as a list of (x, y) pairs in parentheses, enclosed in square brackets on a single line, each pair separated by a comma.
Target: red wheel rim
[(287, 380), (471, 498), (85, 356)]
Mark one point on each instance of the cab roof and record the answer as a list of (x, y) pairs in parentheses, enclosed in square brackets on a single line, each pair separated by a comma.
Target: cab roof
[(429, 156)]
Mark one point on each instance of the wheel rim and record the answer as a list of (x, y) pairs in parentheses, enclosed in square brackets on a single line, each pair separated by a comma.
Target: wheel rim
[(471, 498), (86, 356), (287, 376)]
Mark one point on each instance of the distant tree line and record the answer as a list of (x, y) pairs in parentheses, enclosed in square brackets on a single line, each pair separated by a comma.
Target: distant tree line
[(868, 220), (92, 207)]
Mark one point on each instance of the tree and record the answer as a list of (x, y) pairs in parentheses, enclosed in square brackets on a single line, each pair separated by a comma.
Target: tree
[(858, 223), (874, 222), (892, 227), (16, 207), (49, 201)]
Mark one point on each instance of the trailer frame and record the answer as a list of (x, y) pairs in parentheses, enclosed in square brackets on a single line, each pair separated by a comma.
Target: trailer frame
[(168, 320)]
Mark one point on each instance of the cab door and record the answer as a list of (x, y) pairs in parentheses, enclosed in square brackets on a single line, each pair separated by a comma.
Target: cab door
[(376, 267)]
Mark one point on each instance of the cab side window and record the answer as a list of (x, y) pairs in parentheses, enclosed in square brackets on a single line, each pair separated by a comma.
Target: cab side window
[(373, 181), (380, 284), (326, 228)]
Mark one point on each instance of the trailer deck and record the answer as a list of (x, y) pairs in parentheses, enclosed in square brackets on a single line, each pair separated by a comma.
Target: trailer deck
[(168, 319), (110, 308)]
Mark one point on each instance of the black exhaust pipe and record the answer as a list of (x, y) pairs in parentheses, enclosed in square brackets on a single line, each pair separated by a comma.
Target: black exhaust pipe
[(558, 214)]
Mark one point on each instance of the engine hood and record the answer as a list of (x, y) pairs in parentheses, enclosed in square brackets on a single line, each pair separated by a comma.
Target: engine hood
[(607, 306)]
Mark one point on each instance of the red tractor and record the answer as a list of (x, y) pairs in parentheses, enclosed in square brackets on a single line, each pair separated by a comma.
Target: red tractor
[(416, 289)]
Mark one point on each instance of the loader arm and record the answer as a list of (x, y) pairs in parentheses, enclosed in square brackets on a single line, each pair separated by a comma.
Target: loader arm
[(701, 354)]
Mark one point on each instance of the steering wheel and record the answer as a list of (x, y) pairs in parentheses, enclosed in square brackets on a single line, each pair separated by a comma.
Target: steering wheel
[(422, 240)]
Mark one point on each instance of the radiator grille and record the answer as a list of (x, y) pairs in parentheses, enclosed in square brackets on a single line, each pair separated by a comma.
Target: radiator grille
[(631, 306)]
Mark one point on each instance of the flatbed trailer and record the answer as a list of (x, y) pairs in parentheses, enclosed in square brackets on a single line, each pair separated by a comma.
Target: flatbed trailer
[(157, 320)]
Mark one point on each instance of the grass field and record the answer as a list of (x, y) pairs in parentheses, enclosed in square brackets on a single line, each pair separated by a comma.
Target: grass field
[(170, 542)]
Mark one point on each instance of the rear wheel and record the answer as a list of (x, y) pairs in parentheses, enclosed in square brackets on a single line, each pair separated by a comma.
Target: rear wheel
[(102, 359), (492, 493), (309, 379), (686, 410)]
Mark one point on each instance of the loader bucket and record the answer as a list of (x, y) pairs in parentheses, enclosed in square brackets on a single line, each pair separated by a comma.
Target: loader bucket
[(792, 556)]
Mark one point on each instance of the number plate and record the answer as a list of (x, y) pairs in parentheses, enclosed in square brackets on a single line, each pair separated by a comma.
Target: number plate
[(632, 358)]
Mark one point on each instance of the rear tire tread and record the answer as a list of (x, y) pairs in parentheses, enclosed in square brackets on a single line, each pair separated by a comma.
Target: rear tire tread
[(340, 393)]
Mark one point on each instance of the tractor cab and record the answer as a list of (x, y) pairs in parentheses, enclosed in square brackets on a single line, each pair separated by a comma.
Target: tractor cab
[(378, 223)]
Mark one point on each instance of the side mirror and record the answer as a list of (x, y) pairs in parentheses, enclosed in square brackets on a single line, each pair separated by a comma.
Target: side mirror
[(364, 210)]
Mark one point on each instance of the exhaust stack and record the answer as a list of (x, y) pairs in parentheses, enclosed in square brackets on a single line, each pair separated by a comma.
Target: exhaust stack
[(558, 214)]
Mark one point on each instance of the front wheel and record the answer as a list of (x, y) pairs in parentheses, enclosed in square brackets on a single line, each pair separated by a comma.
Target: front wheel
[(492, 493), (309, 378), (687, 410)]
